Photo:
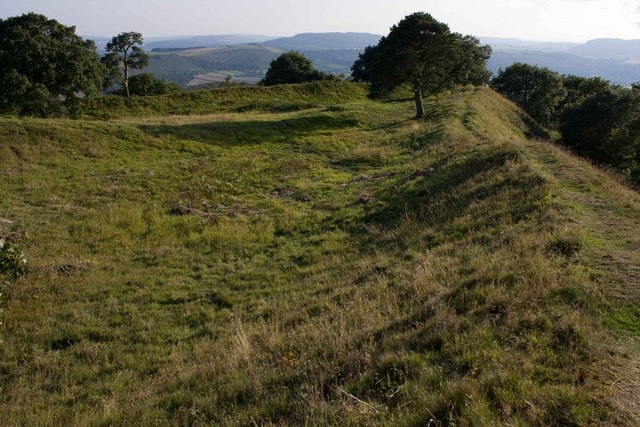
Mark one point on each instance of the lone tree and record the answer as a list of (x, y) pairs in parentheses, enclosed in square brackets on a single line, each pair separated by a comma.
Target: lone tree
[(45, 67), (293, 67), (424, 53), (123, 54), (539, 91)]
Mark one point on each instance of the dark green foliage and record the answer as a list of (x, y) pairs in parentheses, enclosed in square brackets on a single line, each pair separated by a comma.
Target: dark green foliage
[(424, 53), (537, 90), (123, 54), (146, 84), (580, 88), (472, 57), (13, 262), (596, 119), (605, 127), (365, 61), (293, 67), (45, 66)]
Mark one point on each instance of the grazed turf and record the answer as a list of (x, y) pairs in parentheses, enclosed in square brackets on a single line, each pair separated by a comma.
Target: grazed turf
[(337, 264)]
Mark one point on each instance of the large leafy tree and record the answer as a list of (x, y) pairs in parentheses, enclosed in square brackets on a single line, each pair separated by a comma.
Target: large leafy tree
[(124, 52), (424, 53), (539, 91), (45, 68), (293, 67)]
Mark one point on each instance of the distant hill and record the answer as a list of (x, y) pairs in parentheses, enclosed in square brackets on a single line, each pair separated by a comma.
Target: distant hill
[(609, 49), (205, 59), (322, 41), (612, 59), (564, 63), (205, 41), (245, 60), (502, 44)]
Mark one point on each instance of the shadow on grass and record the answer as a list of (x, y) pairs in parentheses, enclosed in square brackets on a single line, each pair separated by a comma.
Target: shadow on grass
[(433, 112), (534, 130), (412, 192), (237, 133)]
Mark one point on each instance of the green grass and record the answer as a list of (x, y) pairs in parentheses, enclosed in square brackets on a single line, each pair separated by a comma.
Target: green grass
[(334, 263), (223, 100)]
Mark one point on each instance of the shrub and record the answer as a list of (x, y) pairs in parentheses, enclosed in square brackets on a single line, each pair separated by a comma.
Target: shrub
[(566, 243), (13, 262), (293, 67)]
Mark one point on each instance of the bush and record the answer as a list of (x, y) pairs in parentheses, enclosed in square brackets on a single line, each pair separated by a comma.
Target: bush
[(293, 67), (146, 84), (567, 243), (13, 262)]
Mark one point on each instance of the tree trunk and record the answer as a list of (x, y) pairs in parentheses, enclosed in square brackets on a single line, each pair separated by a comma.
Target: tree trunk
[(419, 104), (126, 79)]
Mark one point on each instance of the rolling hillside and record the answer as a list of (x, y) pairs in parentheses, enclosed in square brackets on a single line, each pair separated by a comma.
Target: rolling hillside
[(247, 63), (324, 41), (303, 255), (187, 67), (221, 40), (611, 59)]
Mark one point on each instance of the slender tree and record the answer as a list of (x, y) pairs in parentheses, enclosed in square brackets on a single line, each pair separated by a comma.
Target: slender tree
[(424, 53), (123, 54)]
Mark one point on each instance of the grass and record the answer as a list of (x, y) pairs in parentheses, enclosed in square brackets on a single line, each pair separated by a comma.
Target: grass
[(330, 264), (224, 100)]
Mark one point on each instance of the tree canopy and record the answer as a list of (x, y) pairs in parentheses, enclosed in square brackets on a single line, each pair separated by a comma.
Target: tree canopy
[(293, 67), (605, 127), (424, 53), (45, 67), (539, 91), (123, 54), (596, 119)]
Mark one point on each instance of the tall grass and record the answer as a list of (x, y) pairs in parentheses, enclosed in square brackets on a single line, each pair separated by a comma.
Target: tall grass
[(338, 266)]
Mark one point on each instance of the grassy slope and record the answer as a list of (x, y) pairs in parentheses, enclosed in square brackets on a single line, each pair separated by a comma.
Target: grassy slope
[(338, 264), (234, 99)]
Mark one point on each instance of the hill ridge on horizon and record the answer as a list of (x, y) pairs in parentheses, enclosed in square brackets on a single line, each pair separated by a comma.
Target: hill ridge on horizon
[(337, 52)]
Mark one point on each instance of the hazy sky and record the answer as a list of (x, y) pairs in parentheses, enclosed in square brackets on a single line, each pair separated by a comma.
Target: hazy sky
[(545, 20)]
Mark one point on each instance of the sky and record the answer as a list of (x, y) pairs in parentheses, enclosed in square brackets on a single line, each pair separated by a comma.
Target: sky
[(539, 20)]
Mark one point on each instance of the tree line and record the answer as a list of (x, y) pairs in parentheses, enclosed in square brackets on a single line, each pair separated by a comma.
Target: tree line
[(595, 118), (46, 68)]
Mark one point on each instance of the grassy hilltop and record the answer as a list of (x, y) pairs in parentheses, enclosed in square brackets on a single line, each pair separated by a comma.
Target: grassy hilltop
[(303, 255)]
